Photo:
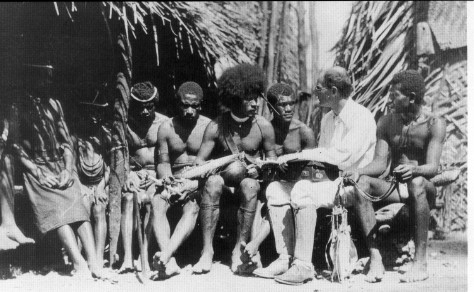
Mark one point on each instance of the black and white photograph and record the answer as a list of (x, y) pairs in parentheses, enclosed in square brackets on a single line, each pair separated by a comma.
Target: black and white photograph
[(234, 146)]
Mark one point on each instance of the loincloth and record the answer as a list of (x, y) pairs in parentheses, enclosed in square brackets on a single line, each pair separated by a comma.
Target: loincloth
[(53, 208), (90, 196), (141, 179), (174, 200)]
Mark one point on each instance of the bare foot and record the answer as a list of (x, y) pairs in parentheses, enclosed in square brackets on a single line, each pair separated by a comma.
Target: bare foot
[(138, 265), (165, 270), (416, 273), (250, 248), (204, 264), (6, 243), (172, 267), (376, 271), (242, 263), (82, 272), (15, 234), (127, 267), (104, 275)]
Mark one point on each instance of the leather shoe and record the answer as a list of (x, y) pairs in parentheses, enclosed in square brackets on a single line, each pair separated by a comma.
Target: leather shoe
[(277, 267), (298, 274)]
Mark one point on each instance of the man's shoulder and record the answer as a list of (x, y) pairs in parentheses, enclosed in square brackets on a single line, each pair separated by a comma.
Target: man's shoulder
[(261, 121), (360, 109), (203, 120), (298, 125), (160, 118)]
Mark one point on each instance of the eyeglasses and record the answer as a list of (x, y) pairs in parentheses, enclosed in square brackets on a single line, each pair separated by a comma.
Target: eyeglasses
[(318, 88), (190, 105)]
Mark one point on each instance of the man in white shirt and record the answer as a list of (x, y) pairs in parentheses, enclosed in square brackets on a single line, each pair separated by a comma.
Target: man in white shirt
[(347, 140)]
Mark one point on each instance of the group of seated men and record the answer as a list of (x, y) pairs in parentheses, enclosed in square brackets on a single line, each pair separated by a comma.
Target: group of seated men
[(66, 178)]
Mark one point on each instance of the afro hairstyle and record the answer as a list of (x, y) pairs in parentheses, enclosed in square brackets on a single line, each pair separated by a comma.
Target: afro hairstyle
[(410, 81), (238, 82), (279, 89), (190, 88), (145, 90)]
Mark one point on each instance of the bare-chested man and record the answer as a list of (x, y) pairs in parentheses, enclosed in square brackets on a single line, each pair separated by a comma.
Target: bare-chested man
[(179, 141), (142, 130), (415, 142), (239, 130), (44, 148), (291, 135)]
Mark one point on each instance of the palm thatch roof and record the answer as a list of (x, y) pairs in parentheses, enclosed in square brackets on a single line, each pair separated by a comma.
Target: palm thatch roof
[(216, 29), (379, 40)]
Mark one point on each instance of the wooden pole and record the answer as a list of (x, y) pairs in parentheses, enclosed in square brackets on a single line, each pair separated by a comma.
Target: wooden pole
[(271, 42), (281, 40), (302, 47), (263, 41), (314, 42)]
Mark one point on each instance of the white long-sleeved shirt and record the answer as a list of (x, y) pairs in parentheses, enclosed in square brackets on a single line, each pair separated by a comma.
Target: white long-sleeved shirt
[(347, 140)]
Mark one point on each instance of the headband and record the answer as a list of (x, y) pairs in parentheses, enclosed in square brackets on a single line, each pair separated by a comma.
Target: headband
[(155, 91)]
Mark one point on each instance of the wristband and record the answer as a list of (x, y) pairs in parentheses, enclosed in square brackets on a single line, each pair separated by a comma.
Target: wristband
[(163, 158)]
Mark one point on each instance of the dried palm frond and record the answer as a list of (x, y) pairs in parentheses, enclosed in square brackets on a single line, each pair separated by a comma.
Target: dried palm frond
[(376, 43)]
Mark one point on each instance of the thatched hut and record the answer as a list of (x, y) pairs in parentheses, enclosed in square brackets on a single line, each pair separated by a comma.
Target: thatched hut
[(118, 44), (382, 38)]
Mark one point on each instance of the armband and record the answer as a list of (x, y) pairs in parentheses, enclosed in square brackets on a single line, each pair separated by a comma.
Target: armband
[(163, 158)]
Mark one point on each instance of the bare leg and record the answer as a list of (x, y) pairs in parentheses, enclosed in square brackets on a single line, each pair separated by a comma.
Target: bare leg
[(161, 226), (87, 238), (418, 189), (126, 226), (249, 189), (366, 214), (147, 222), (283, 229), (100, 232), (261, 233), (68, 239), (9, 231), (209, 215), (183, 229)]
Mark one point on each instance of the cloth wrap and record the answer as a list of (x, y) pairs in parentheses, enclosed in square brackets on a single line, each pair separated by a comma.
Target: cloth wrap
[(54, 208)]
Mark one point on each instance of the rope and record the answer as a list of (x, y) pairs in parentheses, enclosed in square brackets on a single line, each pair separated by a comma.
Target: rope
[(393, 185)]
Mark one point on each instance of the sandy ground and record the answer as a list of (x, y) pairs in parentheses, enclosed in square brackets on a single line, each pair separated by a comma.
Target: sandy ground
[(447, 265)]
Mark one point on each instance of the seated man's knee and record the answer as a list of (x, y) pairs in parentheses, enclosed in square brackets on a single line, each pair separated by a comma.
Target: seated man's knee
[(276, 194), (416, 186), (364, 183), (213, 188), (301, 195), (249, 188), (191, 208)]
